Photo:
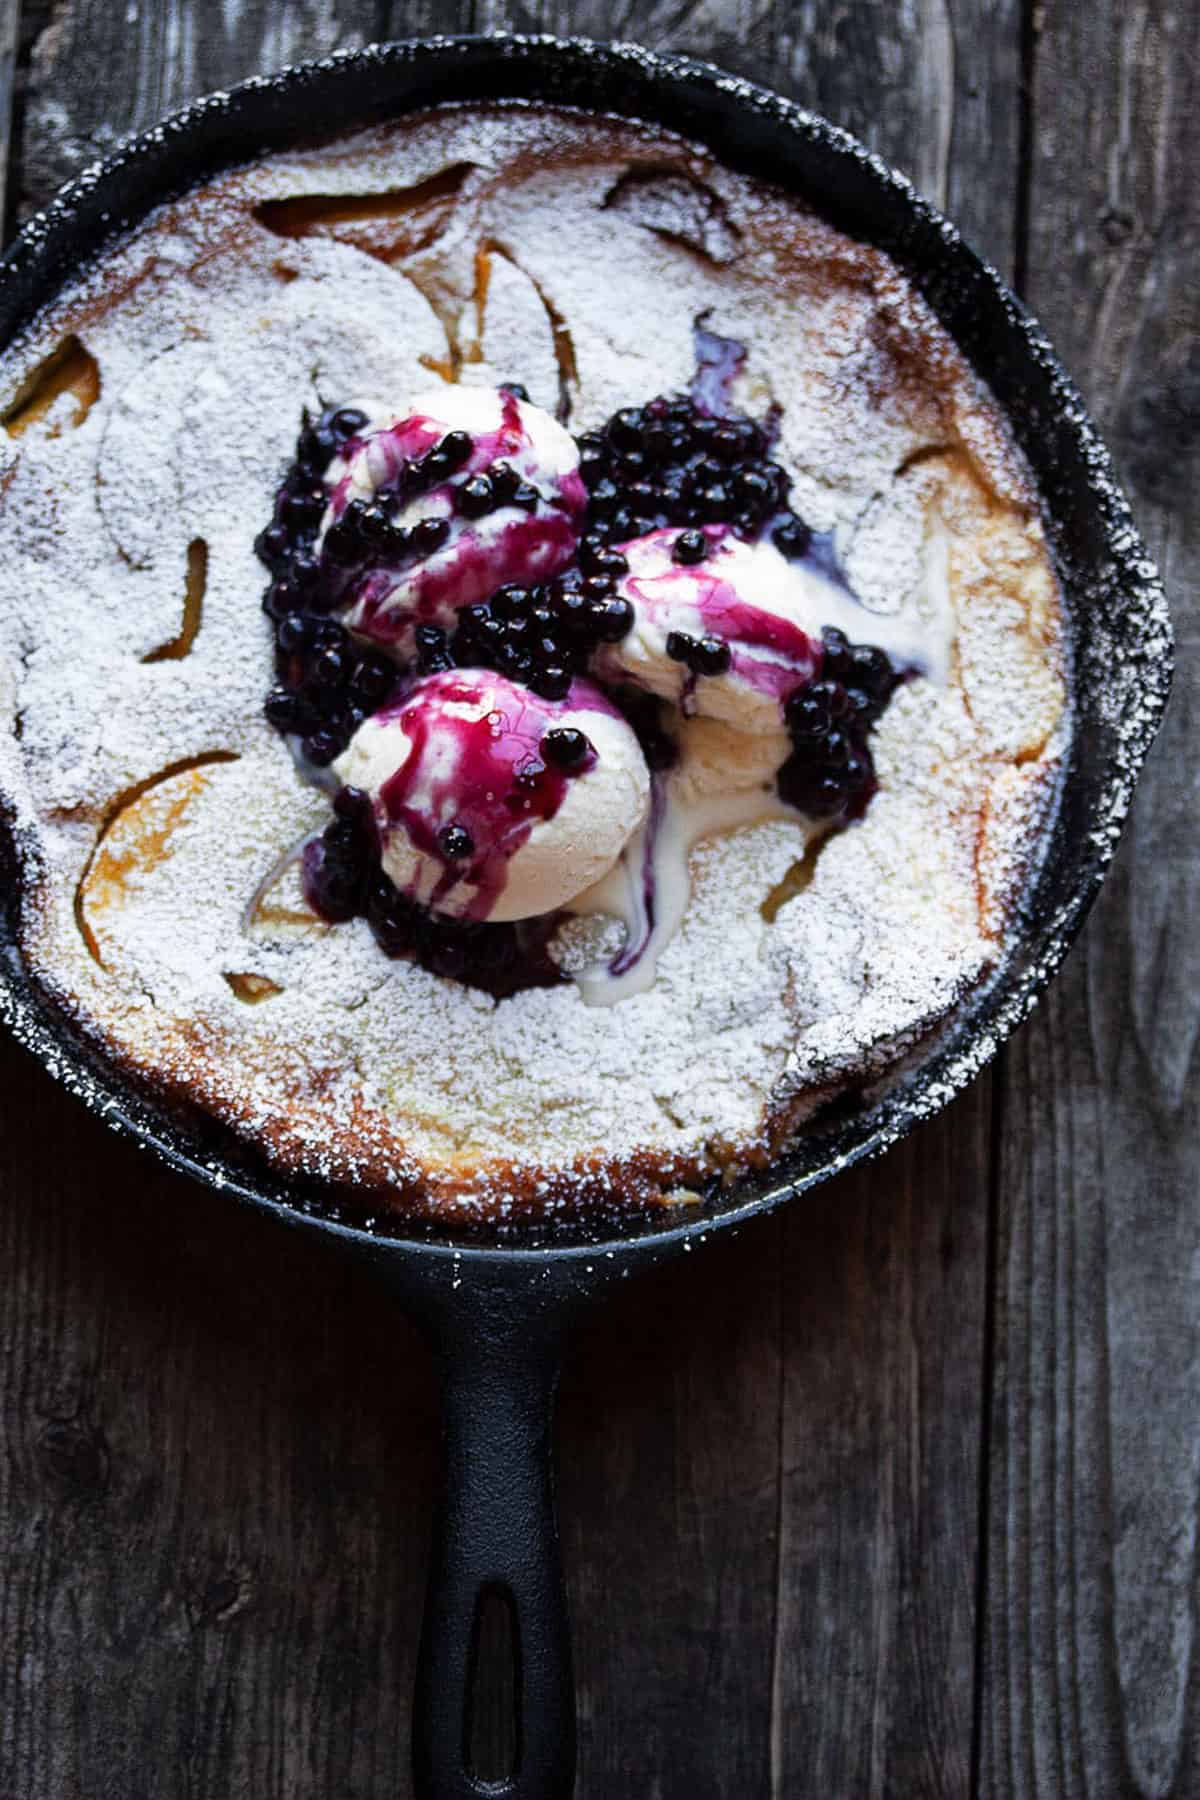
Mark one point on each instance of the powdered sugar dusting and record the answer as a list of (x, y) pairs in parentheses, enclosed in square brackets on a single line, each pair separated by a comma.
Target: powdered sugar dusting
[(210, 335)]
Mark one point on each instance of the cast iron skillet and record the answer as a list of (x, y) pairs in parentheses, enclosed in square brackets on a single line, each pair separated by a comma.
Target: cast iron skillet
[(497, 1311)]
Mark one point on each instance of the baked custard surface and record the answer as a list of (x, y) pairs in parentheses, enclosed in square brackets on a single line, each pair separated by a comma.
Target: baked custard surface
[(148, 417)]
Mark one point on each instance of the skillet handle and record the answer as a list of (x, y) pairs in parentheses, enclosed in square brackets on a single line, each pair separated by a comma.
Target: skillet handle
[(495, 1529)]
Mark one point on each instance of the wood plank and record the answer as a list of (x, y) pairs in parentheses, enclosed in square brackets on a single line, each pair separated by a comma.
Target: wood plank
[(100, 70), (1091, 1666), (219, 1453), (885, 1279), (769, 1458), (9, 30)]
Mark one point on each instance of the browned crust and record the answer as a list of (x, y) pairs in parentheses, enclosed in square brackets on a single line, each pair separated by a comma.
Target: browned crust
[(366, 1152)]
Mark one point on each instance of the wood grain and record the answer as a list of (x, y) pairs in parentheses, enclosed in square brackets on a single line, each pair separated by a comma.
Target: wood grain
[(1095, 1479), (217, 1446)]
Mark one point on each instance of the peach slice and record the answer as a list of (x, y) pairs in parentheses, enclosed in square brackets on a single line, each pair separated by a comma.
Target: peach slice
[(69, 369), (136, 839)]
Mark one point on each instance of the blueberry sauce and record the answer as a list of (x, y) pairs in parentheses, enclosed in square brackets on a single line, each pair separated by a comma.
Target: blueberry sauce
[(343, 879), (467, 795), (674, 462), (487, 521), (429, 596), (481, 775), (768, 652), (719, 361)]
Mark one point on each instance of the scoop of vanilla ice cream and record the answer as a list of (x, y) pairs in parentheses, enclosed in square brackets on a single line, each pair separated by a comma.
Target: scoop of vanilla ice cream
[(766, 611), (715, 758), (529, 533), (476, 815)]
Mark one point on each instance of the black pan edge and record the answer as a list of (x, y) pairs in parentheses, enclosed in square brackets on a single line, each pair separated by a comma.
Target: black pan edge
[(1117, 609)]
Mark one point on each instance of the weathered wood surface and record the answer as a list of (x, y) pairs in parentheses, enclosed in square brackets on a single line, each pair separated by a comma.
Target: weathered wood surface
[(216, 1453), (1095, 1455)]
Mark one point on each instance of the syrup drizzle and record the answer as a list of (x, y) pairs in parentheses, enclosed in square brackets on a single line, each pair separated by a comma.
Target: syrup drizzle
[(482, 772)]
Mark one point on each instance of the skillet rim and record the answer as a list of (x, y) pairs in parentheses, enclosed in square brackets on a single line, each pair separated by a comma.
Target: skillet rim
[(991, 1015)]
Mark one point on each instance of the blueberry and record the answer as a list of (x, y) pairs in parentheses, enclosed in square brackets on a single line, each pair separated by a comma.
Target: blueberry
[(869, 669), (807, 714), (643, 499), (566, 748), (690, 547), (329, 667), (517, 389), (429, 535), (328, 631), (475, 497), (473, 618), (284, 710), (322, 747), (837, 652), (605, 498), (505, 480), (593, 457), (376, 529), (592, 549), (316, 448), (779, 478), (657, 440), (835, 749), (680, 647), (347, 422), (715, 500), (511, 660), (305, 571), (294, 631), (625, 428), (511, 601), (613, 620), (526, 497), (455, 843), (271, 545), (341, 544), (754, 490), (373, 679), (726, 443), (302, 510), (353, 804), (551, 681), (861, 709), (612, 563), (281, 598), (711, 656), (570, 608), (792, 537)]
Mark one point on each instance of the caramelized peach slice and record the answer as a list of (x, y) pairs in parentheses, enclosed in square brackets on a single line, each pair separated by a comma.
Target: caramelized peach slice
[(388, 225), (135, 839), (70, 369), (195, 584), (253, 989), (500, 280), (678, 207)]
